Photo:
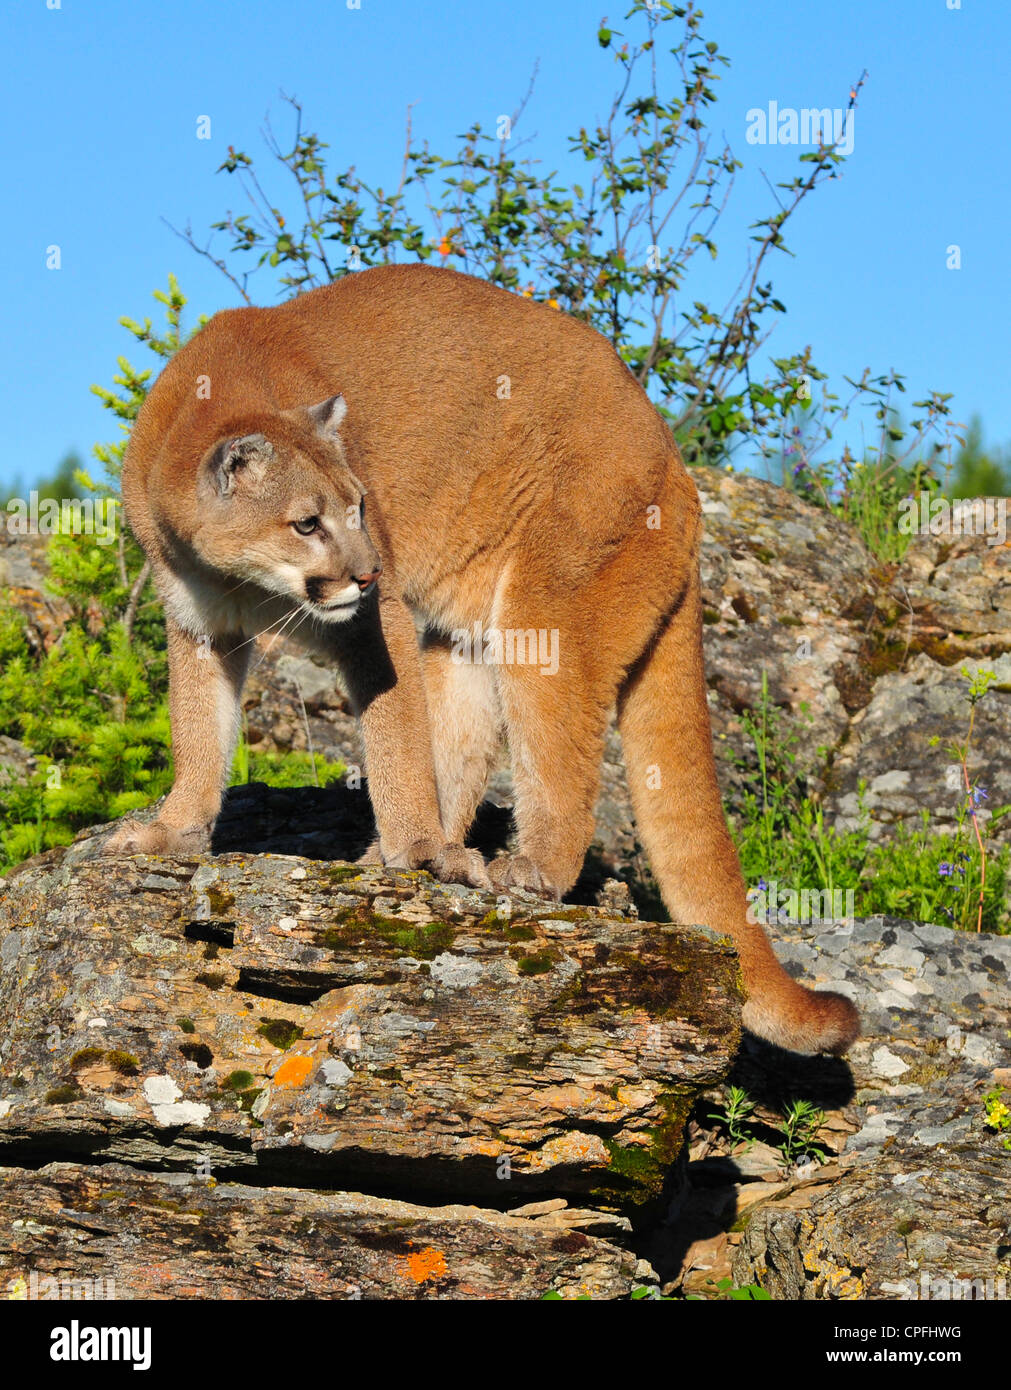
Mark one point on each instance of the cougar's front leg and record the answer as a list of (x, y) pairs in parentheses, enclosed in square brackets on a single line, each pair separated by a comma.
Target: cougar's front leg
[(381, 664), (205, 685)]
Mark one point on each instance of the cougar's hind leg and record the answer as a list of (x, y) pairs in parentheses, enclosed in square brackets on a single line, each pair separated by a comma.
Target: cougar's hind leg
[(663, 716)]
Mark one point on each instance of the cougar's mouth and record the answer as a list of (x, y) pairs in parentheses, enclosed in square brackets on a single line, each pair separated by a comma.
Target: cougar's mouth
[(340, 606)]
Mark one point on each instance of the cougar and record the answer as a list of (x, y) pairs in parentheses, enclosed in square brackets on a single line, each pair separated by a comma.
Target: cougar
[(410, 443)]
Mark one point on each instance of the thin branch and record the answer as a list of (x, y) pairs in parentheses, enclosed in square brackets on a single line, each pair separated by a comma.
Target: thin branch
[(131, 608), (204, 251)]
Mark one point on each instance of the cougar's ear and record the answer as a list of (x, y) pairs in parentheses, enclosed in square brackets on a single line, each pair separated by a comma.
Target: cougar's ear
[(239, 461), (328, 416)]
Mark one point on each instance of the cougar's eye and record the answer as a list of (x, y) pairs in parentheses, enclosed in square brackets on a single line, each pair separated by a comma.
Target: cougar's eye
[(307, 525)]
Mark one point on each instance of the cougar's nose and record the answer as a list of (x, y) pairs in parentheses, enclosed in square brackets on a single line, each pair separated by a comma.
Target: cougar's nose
[(365, 581)]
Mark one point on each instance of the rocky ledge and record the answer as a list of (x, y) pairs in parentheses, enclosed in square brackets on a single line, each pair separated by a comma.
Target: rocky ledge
[(265, 1076), (270, 1076)]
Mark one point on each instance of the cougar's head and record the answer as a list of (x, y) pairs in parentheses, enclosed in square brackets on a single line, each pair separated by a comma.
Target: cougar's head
[(280, 508)]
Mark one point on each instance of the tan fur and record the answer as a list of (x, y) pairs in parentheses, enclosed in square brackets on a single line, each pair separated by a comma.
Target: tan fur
[(512, 467)]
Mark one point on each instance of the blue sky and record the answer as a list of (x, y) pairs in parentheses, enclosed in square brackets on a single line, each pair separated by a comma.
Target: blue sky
[(101, 99)]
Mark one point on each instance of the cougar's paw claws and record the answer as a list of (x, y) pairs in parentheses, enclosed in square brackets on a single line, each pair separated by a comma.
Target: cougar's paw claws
[(134, 838), (449, 863), (518, 871)]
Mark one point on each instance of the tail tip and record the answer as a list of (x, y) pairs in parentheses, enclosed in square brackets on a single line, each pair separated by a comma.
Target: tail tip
[(820, 1021), (842, 1027)]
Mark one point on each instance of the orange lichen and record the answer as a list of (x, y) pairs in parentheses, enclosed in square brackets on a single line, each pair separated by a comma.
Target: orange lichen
[(294, 1071), (425, 1264)]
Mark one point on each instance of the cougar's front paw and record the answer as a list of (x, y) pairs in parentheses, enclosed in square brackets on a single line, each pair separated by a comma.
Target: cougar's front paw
[(518, 871), (158, 838), (447, 863)]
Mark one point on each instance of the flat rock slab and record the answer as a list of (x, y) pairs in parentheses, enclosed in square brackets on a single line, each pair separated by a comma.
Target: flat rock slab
[(338, 1026), (110, 1231)]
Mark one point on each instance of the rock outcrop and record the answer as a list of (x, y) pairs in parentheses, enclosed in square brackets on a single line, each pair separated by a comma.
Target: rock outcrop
[(906, 1226), (373, 1043), (256, 1075)]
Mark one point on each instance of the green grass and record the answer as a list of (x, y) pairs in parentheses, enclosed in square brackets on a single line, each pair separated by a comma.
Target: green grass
[(920, 872)]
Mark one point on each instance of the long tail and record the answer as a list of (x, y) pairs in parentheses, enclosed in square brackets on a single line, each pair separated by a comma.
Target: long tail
[(665, 730)]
